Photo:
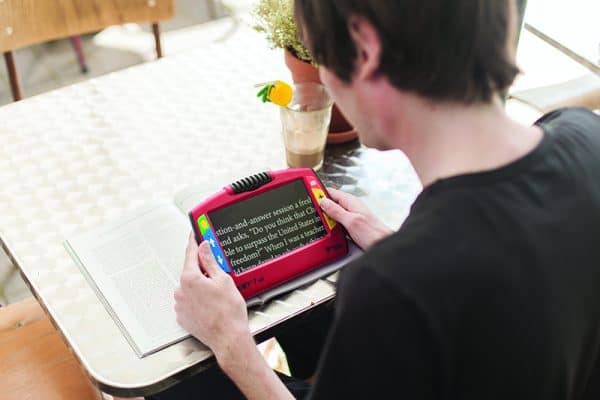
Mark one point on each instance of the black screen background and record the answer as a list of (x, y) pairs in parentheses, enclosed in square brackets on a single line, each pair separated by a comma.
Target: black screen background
[(286, 216)]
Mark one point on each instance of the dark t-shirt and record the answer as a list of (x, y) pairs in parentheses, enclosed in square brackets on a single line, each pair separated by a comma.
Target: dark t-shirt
[(489, 290)]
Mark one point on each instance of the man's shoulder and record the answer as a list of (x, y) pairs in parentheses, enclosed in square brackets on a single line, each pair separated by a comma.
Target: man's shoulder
[(565, 121), (569, 114)]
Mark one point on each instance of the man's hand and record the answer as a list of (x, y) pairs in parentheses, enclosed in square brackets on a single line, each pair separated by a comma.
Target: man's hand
[(362, 225), (210, 307), (207, 303)]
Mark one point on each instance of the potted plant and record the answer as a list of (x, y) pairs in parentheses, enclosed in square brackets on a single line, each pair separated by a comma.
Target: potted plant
[(275, 18)]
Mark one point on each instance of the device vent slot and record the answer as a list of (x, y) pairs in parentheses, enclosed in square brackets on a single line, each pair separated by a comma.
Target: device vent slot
[(251, 182)]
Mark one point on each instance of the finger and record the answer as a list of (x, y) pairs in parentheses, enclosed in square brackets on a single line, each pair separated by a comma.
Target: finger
[(207, 259), (342, 198), (335, 193), (351, 203), (336, 211), (190, 265), (178, 295)]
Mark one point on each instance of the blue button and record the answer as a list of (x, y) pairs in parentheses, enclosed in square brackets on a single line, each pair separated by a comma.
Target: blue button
[(209, 236)]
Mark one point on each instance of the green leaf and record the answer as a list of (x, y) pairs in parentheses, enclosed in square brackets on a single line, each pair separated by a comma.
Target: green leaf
[(262, 91)]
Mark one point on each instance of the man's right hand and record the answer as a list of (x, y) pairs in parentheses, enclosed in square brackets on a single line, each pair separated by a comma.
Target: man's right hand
[(362, 225)]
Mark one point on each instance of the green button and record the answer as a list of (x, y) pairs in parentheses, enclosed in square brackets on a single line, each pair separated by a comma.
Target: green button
[(203, 224)]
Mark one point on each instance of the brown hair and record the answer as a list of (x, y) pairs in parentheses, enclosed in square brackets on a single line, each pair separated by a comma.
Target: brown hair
[(445, 50)]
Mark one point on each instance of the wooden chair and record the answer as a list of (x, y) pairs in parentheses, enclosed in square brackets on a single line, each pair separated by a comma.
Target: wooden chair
[(36, 363), (579, 92), (583, 91), (27, 22)]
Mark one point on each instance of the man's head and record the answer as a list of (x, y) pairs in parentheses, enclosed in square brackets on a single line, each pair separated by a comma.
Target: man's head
[(459, 51)]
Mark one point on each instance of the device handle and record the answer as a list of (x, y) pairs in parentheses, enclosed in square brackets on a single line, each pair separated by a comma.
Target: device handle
[(250, 183)]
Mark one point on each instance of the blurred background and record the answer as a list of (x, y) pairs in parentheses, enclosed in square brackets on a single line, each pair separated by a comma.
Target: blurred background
[(54, 64)]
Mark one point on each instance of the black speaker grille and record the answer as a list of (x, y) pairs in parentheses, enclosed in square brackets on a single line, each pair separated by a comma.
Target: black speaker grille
[(251, 182)]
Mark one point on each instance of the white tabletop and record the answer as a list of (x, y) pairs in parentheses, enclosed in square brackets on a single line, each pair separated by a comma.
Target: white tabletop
[(87, 153)]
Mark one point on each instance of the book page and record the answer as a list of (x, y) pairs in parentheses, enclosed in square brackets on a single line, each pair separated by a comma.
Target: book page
[(189, 197), (134, 264)]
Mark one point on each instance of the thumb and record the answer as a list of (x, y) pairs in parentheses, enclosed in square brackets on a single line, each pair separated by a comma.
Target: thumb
[(335, 211), (209, 264)]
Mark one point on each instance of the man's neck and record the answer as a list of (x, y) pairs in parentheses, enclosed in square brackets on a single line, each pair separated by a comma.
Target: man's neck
[(444, 140)]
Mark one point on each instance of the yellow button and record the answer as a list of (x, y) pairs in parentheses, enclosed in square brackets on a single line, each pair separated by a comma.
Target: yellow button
[(320, 195)]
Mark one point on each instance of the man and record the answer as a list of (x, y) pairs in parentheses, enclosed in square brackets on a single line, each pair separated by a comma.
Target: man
[(491, 287)]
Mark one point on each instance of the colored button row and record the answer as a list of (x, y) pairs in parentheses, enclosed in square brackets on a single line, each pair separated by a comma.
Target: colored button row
[(209, 236)]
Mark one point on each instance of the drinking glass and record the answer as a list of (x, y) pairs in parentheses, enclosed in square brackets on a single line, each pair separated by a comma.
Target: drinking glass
[(305, 124)]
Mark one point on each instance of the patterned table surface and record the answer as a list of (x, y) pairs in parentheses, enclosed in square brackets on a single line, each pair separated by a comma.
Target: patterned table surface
[(73, 158)]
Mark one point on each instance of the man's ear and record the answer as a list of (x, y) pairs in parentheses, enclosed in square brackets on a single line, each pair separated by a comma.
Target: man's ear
[(368, 47)]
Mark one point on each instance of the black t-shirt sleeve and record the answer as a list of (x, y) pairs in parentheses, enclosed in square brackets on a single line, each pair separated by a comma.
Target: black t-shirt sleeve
[(373, 327)]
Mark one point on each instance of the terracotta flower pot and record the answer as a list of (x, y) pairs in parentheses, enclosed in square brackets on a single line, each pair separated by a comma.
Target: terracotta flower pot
[(340, 130)]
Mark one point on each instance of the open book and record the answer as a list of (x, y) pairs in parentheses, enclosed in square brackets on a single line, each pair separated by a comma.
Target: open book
[(134, 264)]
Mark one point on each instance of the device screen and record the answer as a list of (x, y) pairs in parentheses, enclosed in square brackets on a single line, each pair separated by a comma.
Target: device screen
[(267, 226)]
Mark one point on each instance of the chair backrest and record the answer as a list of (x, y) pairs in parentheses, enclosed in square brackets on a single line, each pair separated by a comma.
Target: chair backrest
[(26, 22)]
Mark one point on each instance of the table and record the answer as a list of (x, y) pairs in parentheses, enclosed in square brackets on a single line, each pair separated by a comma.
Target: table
[(73, 158)]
